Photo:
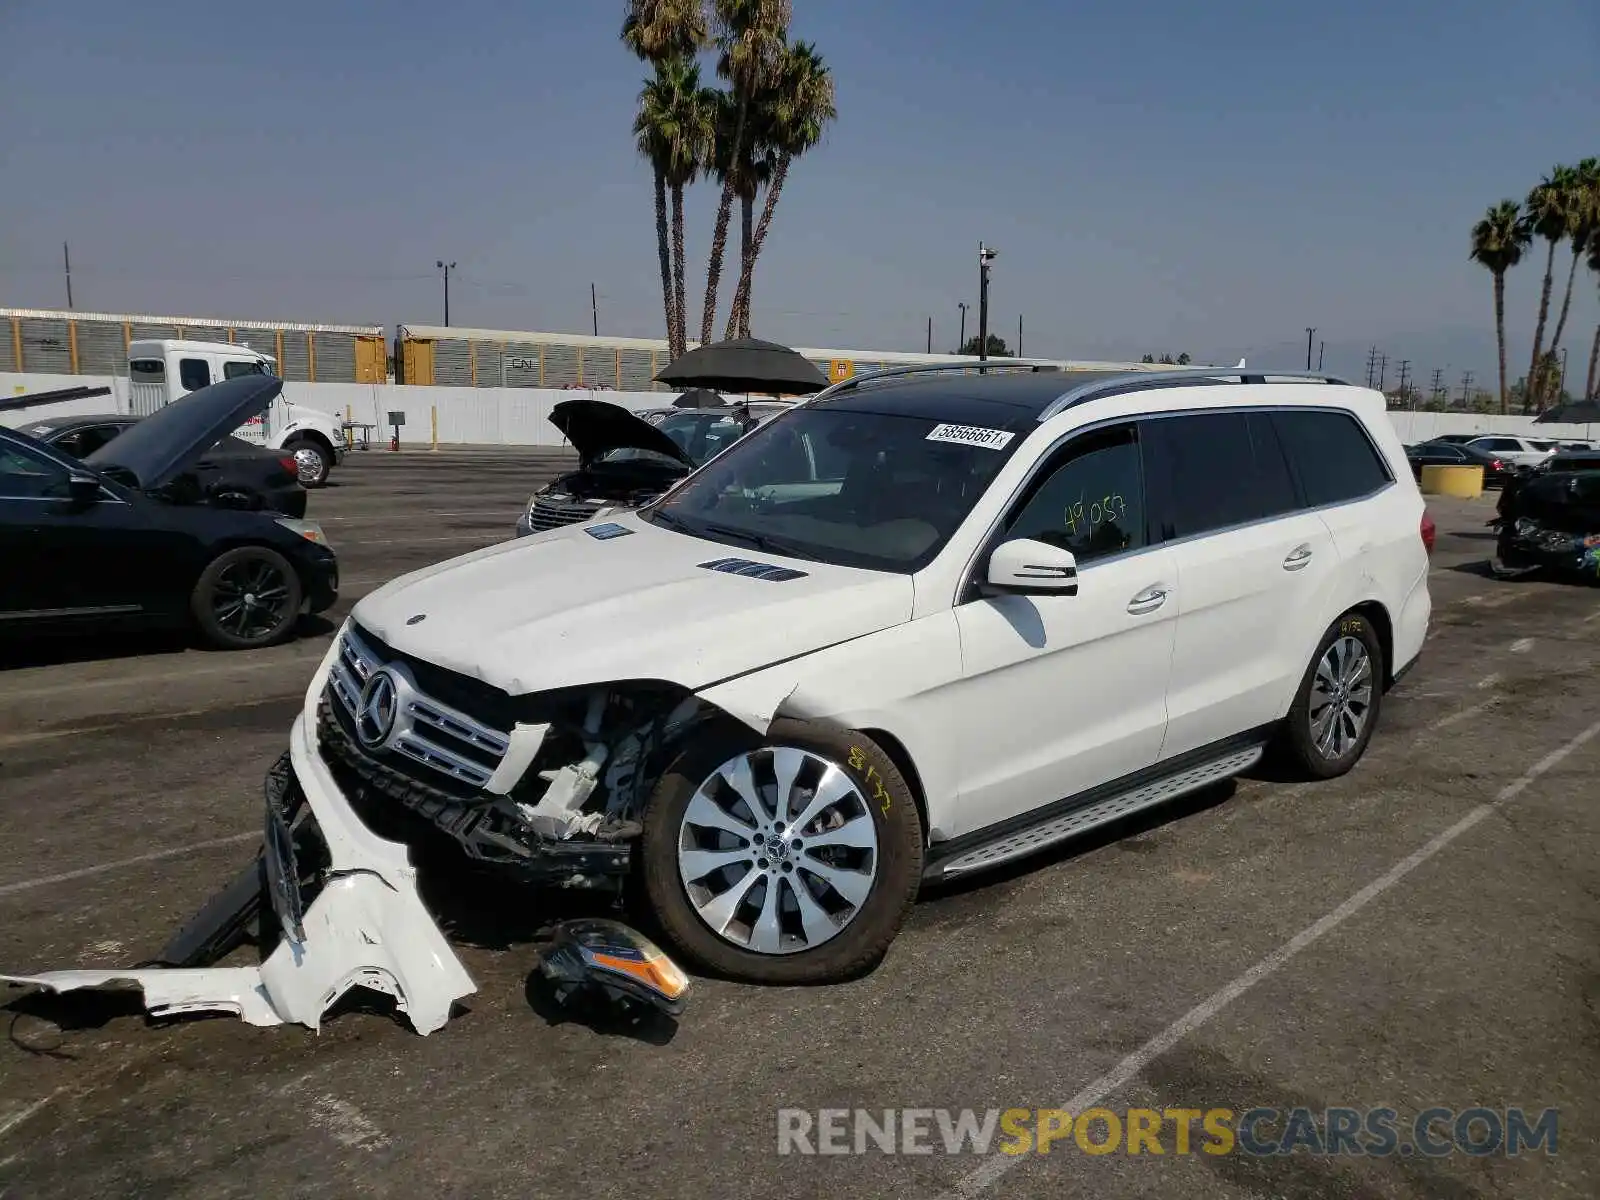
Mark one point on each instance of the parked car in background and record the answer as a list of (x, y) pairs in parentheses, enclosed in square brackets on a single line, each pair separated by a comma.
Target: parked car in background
[(626, 459), (124, 537), (233, 473), (1455, 454), (1515, 451)]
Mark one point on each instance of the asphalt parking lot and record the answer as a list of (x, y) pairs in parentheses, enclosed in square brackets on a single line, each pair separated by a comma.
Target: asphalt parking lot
[(1422, 932)]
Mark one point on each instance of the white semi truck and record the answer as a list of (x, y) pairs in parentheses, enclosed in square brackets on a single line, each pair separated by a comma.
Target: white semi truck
[(165, 369)]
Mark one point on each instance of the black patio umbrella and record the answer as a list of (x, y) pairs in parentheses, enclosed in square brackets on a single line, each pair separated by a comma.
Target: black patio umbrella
[(700, 398), (1580, 412), (746, 365)]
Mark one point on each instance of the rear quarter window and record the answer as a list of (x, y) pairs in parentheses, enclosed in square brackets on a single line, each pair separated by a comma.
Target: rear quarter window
[(1331, 455)]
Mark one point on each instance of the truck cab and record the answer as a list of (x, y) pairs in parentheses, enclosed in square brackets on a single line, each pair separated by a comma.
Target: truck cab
[(163, 370)]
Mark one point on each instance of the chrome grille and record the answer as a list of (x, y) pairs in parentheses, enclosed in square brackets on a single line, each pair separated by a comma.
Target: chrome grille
[(546, 514), (428, 732)]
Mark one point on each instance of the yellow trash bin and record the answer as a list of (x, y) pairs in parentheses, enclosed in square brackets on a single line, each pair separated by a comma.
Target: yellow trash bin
[(1464, 482)]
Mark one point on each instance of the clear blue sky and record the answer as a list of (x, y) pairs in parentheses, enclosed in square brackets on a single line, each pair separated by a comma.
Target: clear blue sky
[(1158, 175)]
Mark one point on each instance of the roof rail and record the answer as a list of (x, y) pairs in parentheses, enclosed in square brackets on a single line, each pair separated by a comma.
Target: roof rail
[(1139, 381), (963, 364)]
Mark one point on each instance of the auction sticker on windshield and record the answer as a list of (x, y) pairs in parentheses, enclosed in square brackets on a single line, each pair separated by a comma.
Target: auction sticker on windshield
[(971, 435)]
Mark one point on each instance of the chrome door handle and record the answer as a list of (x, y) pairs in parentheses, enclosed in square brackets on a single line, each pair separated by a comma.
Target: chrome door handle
[(1297, 558), (1147, 601)]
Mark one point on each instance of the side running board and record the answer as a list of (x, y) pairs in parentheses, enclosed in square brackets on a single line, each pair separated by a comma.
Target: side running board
[(1078, 815)]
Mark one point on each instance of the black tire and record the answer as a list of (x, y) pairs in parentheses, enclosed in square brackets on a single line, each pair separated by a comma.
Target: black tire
[(865, 938), (229, 577), (303, 449), (1298, 743)]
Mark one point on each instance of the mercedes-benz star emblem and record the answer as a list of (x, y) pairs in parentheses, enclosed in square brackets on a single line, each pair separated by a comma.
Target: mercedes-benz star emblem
[(376, 713)]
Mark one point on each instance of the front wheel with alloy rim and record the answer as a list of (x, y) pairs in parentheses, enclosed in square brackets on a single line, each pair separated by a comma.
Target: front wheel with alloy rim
[(247, 597), (1336, 709), (312, 461), (791, 859)]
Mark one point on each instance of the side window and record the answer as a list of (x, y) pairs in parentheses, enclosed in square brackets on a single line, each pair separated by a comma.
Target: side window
[(1331, 455), (147, 370), (92, 438), (25, 477), (1210, 471), (1089, 499), (194, 373), (232, 370)]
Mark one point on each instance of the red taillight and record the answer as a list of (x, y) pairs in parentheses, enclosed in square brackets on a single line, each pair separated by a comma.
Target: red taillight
[(1429, 532), (288, 464), (1497, 465)]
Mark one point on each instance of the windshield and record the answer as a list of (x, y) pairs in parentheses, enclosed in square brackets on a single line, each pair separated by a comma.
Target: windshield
[(851, 488), (700, 435)]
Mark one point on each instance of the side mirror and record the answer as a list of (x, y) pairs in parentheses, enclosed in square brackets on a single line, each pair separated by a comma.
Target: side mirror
[(83, 489), (1028, 567)]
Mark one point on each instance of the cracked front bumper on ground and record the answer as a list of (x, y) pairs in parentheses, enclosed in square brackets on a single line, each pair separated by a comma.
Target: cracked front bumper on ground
[(366, 927)]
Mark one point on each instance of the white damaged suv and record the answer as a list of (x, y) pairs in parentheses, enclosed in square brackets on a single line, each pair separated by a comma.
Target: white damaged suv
[(926, 622)]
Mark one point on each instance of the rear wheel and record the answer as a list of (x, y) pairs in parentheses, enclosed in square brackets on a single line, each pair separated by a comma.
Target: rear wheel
[(1336, 709), (788, 860), (247, 597)]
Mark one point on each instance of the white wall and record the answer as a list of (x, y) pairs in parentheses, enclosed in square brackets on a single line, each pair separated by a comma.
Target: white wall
[(521, 416)]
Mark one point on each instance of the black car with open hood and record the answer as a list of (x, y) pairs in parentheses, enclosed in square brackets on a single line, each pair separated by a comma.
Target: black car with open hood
[(123, 538), (625, 460)]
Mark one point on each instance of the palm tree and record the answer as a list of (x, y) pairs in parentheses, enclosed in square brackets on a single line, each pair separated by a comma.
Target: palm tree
[(658, 30), (753, 171), (1547, 208), (653, 137), (667, 34), (1582, 203), (693, 130), (1591, 387), (750, 36), (1498, 241), (803, 106)]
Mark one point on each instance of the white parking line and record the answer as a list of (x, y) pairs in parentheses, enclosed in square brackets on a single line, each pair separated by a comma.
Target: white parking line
[(1126, 1070), (486, 538), (1522, 645), (27, 885)]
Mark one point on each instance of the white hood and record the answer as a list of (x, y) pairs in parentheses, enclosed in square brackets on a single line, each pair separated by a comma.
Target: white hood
[(565, 608)]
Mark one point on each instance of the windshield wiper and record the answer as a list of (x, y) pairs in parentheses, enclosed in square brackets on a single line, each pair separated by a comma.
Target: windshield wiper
[(660, 517), (761, 541)]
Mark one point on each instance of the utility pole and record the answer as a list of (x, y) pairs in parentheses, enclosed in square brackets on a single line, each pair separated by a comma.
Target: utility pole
[(986, 255), (930, 335), (1466, 388), (1372, 364), (446, 268), (1310, 330), (1438, 374), (66, 260), (594, 310), (961, 346), (1019, 344), (1405, 364), (1383, 370), (1321, 346)]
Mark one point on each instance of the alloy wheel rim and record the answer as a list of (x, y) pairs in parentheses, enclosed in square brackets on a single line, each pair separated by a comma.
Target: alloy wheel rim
[(1341, 697), (308, 463), (250, 598), (777, 850)]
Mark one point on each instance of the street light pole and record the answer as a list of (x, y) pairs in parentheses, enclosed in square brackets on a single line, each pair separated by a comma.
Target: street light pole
[(986, 255), (1321, 346), (961, 345), (446, 268), (1310, 330)]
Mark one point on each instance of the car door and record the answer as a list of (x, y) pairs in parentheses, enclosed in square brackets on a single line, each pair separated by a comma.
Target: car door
[(1250, 566), (112, 555), (1061, 693)]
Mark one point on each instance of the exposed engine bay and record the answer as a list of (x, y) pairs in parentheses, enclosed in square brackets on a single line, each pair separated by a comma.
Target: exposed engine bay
[(1550, 522)]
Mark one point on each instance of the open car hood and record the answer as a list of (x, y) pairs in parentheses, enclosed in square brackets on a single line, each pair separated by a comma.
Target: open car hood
[(160, 447), (594, 427)]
